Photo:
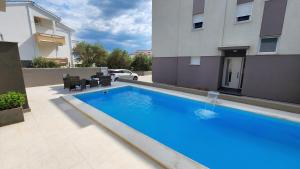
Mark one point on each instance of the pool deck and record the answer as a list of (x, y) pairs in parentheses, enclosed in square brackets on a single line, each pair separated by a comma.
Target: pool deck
[(57, 136)]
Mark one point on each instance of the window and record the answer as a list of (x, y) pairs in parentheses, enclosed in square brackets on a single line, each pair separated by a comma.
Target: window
[(115, 71), (197, 21), (37, 20), (127, 71), (195, 60), (268, 45), (244, 12)]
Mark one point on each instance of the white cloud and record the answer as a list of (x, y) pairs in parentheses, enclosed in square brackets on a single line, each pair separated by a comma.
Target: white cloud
[(133, 21), (124, 44), (81, 16)]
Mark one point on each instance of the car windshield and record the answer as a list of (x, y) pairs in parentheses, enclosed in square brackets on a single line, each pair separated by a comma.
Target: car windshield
[(126, 71)]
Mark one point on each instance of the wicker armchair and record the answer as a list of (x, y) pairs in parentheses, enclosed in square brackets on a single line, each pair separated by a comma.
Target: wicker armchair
[(74, 81), (66, 81), (105, 80), (99, 74), (93, 83)]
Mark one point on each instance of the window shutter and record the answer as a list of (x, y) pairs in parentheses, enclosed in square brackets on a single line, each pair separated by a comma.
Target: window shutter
[(244, 9), (243, 1), (198, 6), (197, 18)]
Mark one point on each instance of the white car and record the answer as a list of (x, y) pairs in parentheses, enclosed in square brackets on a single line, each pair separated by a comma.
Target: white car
[(122, 73)]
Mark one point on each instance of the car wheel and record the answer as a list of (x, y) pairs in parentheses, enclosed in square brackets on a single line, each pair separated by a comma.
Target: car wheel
[(135, 78)]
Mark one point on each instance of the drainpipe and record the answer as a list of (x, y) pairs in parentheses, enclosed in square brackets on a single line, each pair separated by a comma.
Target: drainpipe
[(71, 49), (54, 27), (178, 37), (224, 23), (32, 32)]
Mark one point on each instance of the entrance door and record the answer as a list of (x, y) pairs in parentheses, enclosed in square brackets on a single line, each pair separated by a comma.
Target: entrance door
[(232, 73)]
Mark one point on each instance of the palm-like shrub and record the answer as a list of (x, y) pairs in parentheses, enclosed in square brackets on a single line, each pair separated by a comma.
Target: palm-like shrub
[(42, 62)]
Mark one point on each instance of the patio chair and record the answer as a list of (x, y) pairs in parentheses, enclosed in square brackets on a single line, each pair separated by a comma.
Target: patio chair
[(73, 82), (66, 80), (83, 83), (99, 74), (105, 80), (93, 83)]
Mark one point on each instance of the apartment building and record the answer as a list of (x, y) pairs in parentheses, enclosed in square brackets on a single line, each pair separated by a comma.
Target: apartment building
[(144, 52), (37, 31), (243, 47)]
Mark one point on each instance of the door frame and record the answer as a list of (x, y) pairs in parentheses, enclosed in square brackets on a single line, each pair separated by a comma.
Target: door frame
[(241, 75)]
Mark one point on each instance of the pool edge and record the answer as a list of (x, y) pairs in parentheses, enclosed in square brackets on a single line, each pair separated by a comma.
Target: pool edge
[(162, 154)]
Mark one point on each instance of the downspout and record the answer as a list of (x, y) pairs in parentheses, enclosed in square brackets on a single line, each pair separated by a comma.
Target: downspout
[(54, 33), (224, 23), (71, 50), (31, 32), (178, 39), (221, 66)]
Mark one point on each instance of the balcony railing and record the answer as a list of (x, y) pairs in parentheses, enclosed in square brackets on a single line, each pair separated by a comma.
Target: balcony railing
[(47, 38), (2, 6), (59, 61)]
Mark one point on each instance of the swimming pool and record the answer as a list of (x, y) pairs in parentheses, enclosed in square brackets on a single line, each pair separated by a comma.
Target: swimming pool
[(216, 136)]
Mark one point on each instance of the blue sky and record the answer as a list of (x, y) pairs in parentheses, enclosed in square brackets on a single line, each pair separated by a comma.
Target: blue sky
[(122, 24)]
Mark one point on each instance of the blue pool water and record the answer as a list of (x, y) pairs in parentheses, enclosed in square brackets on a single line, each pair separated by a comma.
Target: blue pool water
[(217, 137)]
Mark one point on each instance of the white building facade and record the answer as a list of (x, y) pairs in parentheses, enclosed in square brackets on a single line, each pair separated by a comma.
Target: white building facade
[(38, 32), (251, 47)]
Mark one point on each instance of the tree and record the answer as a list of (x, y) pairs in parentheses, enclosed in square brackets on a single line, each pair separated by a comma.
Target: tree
[(118, 59), (91, 54), (101, 55), (141, 62)]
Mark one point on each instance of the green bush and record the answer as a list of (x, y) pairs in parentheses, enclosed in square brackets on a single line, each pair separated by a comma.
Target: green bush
[(90, 54), (41, 62), (141, 62), (118, 59), (11, 100)]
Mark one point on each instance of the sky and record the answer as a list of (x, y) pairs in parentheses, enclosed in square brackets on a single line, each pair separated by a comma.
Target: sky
[(124, 24)]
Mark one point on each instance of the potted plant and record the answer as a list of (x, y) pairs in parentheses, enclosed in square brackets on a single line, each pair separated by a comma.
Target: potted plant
[(11, 110)]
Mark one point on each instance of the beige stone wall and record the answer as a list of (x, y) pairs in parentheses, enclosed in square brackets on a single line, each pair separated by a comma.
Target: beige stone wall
[(51, 76)]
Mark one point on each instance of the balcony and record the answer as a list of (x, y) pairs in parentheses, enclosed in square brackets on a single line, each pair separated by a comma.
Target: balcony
[(47, 38), (59, 61), (2, 6)]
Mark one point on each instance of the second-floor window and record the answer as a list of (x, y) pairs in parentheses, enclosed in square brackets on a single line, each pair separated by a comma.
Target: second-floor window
[(197, 21), (244, 12)]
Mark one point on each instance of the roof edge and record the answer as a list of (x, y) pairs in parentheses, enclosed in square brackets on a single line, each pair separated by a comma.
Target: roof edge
[(36, 6), (33, 4)]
